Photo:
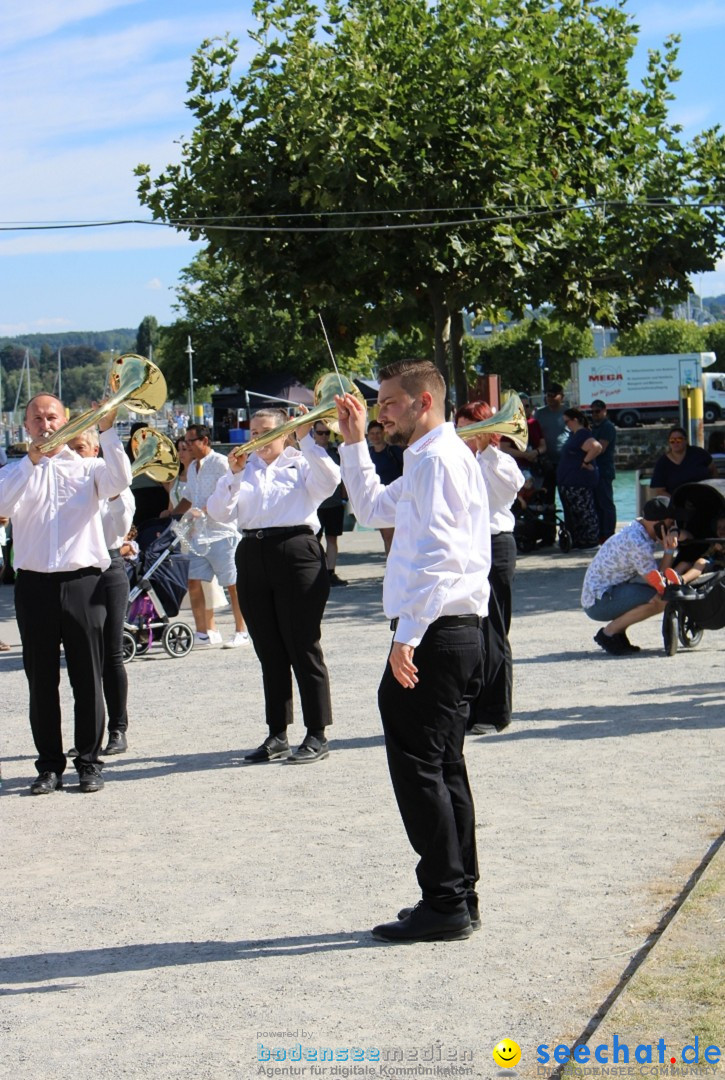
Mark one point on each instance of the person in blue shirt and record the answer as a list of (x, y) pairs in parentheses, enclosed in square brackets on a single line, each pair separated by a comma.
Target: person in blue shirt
[(577, 476)]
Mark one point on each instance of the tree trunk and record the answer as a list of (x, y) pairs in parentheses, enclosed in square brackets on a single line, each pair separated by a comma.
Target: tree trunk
[(441, 329), (458, 370)]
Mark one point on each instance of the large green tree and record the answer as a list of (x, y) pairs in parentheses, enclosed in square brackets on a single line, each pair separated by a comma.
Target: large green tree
[(396, 161)]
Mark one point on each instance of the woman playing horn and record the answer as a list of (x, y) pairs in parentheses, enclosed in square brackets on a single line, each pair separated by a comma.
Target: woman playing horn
[(503, 480), (272, 495)]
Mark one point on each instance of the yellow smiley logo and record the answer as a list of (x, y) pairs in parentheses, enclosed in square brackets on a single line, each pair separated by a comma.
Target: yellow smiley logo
[(507, 1053)]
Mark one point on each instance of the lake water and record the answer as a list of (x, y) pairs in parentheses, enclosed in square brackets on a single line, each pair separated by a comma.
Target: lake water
[(625, 495)]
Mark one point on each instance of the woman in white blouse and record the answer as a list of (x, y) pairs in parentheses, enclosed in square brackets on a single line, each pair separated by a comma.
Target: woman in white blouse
[(503, 480), (272, 496)]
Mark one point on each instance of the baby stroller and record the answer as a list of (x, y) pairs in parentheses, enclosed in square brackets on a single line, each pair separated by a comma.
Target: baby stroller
[(700, 606), (539, 525), (159, 582)]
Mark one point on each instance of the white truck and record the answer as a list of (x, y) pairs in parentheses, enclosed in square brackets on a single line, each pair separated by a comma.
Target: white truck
[(637, 389)]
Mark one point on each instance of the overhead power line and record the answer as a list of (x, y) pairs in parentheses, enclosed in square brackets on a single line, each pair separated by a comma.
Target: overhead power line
[(244, 222)]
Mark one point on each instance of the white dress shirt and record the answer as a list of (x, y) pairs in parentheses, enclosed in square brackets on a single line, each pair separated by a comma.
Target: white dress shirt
[(285, 493), (441, 553), (54, 507), (503, 479), (117, 517)]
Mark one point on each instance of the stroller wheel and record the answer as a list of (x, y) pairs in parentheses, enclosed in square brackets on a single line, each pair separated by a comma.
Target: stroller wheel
[(670, 623), (129, 647), (178, 639), (564, 540), (689, 632)]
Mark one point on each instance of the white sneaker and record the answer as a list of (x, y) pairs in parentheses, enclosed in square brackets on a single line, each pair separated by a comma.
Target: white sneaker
[(202, 641), (241, 637), (215, 637)]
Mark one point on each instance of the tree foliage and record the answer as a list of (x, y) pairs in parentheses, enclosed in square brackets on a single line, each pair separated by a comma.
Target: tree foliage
[(657, 336), (504, 136), (514, 353)]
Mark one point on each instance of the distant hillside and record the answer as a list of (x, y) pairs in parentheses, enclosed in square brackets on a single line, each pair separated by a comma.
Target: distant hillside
[(104, 340), (715, 305)]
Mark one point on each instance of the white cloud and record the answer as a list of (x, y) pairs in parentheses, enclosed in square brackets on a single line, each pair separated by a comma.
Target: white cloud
[(154, 284), (661, 19), (27, 20), (38, 326), (116, 238)]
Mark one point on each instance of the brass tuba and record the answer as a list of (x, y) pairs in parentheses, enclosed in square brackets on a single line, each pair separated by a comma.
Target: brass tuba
[(510, 421), (154, 454), (326, 388), (135, 382)]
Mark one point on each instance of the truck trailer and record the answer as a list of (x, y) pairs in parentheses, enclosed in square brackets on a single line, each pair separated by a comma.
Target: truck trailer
[(641, 389)]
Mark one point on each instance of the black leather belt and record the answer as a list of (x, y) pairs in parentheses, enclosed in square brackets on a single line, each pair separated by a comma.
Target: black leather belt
[(447, 620), (114, 553), (277, 533)]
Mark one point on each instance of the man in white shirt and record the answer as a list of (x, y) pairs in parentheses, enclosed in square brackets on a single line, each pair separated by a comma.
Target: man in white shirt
[(204, 473), (60, 553), (436, 593)]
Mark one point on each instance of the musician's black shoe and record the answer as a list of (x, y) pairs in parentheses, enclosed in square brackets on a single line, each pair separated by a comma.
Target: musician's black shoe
[(90, 778), (473, 912), (273, 748), (335, 580), (312, 748), (425, 924), (46, 782), (117, 743)]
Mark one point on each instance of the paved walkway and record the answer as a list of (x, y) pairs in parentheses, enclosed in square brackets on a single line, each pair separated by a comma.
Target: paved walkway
[(198, 912)]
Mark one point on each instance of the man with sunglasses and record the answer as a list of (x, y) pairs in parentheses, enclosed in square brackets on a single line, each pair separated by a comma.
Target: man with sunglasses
[(604, 431)]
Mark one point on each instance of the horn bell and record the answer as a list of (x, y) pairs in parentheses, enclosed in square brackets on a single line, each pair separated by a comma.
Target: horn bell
[(135, 382), (154, 454), (510, 421)]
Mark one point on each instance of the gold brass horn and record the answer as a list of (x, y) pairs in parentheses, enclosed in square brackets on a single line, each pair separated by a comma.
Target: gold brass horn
[(154, 454), (135, 382), (510, 421), (325, 409)]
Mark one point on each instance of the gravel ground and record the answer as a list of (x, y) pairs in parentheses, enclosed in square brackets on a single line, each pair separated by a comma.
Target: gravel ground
[(198, 913)]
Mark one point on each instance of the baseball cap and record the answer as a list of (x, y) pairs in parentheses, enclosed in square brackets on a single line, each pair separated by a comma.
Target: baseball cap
[(657, 509)]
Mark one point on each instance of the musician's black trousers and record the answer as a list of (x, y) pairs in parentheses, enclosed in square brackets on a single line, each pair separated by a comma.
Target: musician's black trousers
[(115, 679), (494, 704), (424, 733), (67, 608), (283, 585)]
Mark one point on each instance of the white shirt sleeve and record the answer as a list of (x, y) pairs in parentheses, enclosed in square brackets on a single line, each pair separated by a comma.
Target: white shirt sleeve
[(373, 503), (222, 503), (13, 484), (323, 475), (112, 474)]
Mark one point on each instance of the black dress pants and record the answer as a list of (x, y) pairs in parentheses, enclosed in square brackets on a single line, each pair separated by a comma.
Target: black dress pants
[(283, 585), (65, 608), (494, 704), (115, 679), (424, 733)]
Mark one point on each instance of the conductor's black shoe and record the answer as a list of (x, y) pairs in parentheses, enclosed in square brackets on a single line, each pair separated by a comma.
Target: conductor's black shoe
[(117, 743), (425, 924), (90, 778), (46, 782), (610, 643), (473, 913), (335, 580), (311, 749), (273, 748)]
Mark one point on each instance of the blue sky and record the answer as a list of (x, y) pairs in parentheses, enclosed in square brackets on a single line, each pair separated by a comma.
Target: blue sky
[(90, 88)]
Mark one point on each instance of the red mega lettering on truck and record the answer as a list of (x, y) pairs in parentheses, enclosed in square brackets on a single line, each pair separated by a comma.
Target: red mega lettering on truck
[(614, 376)]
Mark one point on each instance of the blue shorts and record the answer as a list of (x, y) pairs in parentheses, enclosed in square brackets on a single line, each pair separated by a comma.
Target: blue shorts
[(620, 599), (218, 559)]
